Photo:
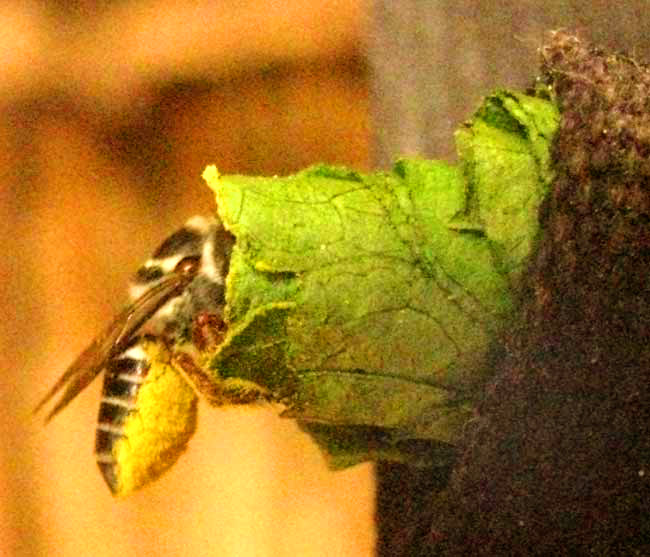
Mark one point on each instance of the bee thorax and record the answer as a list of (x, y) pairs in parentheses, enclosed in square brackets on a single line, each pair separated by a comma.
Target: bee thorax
[(204, 238)]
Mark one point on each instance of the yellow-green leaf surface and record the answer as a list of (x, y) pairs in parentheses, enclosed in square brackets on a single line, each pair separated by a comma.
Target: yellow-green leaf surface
[(371, 301)]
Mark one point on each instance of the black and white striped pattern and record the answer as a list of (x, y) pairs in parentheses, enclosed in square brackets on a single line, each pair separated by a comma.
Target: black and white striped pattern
[(123, 378)]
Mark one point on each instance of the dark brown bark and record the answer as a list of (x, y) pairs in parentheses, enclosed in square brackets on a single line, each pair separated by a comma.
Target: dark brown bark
[(557, 462)]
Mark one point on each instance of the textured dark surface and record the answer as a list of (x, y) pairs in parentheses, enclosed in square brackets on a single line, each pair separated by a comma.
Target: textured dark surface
[(557, 463)]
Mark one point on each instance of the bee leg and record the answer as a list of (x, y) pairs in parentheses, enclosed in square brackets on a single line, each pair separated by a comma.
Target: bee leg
[(198, 379), (218, 392), (208, 331)]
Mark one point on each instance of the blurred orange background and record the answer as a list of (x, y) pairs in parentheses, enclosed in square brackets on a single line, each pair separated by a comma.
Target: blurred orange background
[(109, 111)]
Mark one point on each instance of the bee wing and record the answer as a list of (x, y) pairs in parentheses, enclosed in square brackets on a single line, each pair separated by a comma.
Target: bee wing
[(112, 341)]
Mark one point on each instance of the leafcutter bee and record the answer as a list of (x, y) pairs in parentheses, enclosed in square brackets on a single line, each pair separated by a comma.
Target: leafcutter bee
[(148, 410)]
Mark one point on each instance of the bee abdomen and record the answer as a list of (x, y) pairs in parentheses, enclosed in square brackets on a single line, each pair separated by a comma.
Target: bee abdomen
[(122, 381)]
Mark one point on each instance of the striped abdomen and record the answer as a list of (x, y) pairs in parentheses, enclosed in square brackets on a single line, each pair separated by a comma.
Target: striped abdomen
[(147, 416), (123, 378)]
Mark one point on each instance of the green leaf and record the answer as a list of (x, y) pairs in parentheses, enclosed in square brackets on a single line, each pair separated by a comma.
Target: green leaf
[(368, 304)]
